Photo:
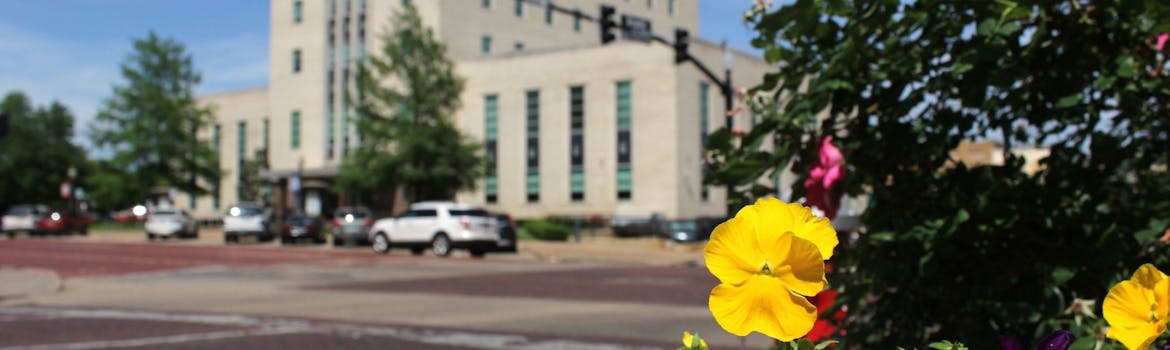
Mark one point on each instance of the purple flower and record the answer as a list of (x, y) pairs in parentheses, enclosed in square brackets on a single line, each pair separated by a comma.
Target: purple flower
[(1058, 340)]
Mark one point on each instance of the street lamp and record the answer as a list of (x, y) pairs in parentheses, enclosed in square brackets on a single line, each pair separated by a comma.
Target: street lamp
[(728, 91)]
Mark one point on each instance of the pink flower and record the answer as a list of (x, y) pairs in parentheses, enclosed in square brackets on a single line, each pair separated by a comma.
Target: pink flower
[(826, 172), (1162, 41)]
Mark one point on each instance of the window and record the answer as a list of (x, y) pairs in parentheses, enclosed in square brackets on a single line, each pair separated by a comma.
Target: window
[(670, 7), (649, 4), (485, 44), (295, 129), (548, 12), (405, 2), (298, 8), (577, 143), (519, 46), (519, 8), (215, 138), (490, 129), (241, 140), (532, 116), (576, 20), (296, 61), (624, 174), (704, 116), (487, 4), (265, 136)]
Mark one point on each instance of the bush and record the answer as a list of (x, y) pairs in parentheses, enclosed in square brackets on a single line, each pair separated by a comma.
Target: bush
[(546, 230)]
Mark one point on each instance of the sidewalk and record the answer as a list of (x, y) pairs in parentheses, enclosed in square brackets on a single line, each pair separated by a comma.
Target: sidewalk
[(647, 251)]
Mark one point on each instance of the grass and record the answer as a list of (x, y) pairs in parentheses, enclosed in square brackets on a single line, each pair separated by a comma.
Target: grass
[(113, 227), (523, 235)]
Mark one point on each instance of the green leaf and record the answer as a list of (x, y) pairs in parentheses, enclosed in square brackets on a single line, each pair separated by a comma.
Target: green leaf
[(961, 67), (825, 344), (1084, 343), (1062, 274), (962, 216), (987, 27), (1069, 101), (1126, 67)]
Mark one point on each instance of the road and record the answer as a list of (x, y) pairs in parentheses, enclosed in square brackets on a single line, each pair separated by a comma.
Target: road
[(123, 292)]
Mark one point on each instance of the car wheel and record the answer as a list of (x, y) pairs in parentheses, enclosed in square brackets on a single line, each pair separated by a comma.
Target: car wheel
[(417, 250), (441, 245), (381, 243), (149, 236), (337, 242), (478, 253), (229, 238)]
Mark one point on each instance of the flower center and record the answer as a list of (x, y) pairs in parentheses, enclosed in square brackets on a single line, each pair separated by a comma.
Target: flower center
[(766, 269)]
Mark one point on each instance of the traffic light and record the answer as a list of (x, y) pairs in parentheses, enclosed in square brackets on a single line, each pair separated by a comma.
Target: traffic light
[(682, 39), (607, 24)]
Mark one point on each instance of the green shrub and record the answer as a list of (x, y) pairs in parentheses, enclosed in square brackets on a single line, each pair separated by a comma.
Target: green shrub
[(546, 230)]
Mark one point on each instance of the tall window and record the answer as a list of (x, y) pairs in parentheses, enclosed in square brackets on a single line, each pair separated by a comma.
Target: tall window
[(485, 44), (577, 20), (241, 140), (490, 128), (649, 3), (548, 14), (704, 116), (487, 4), (296, 61), (624, 175), (532, 116), (519, 8), (215, 139), (295, 130), (577, 143), (670, 7), (298, 8), (265, 136)]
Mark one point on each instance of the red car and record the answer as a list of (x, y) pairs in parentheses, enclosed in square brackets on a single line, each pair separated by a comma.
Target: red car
[(59, 221)]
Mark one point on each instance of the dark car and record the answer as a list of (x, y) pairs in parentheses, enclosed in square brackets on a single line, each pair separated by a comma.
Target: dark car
[(62, 221), (351, 225), (691, 230), (507, 241), (299, 227)]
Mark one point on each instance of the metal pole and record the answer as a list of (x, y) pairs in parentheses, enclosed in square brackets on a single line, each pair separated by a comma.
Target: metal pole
[(728, 105)]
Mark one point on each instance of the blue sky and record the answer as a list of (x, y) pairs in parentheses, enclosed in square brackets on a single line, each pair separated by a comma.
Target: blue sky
[(70, 50)]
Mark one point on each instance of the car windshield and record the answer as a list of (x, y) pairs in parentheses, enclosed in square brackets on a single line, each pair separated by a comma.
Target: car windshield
[(164, 213), (299, 220), (245, 211), (471, 212), (22, 210), (682, 226)]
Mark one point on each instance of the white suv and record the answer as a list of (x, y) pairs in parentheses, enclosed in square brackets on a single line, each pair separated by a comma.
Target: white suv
[(247, 219), (442, 226)]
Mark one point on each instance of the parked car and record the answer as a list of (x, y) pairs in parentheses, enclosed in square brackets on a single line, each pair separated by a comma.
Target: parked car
[(247, 219), (442, 226), (169, 222), (22, 218), (351, 225), (691, 230), (62, 221), (300, 227), (507, 240)]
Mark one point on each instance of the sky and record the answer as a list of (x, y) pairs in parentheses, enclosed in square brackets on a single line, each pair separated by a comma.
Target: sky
[(70, 50)]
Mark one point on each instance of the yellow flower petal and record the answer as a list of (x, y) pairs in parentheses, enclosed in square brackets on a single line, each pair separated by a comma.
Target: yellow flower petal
[(1147, 276), (732, 253), (796, 262), (762, 304), (1136, 338), (772, 216), (1127, 305)]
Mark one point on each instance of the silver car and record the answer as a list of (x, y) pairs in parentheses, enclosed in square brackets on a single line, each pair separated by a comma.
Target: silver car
[(22, 218), (247, 219), (170, 223), (351, 225)]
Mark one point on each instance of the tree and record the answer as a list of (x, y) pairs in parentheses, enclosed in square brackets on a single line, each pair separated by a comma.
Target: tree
[(405, 100), (150, 122), (251, 185), (973, 252), (36, 155)]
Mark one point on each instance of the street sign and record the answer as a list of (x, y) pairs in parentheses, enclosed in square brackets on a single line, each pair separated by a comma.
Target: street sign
[(636, 28)]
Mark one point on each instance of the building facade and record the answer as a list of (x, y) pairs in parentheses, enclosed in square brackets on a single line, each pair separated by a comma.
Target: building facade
[(571, 127)]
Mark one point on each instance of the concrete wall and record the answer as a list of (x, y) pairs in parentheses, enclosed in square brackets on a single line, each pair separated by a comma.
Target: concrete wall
[(229, 109)]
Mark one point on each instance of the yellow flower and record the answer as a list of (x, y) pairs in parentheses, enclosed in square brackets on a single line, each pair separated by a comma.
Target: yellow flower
[(1137, 309), (688, 338), (767, 259)]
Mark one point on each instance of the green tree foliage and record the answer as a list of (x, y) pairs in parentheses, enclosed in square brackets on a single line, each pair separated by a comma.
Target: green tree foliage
[(36, 155), (251, 185), (973, 253), (405, 100), (150, 124)]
